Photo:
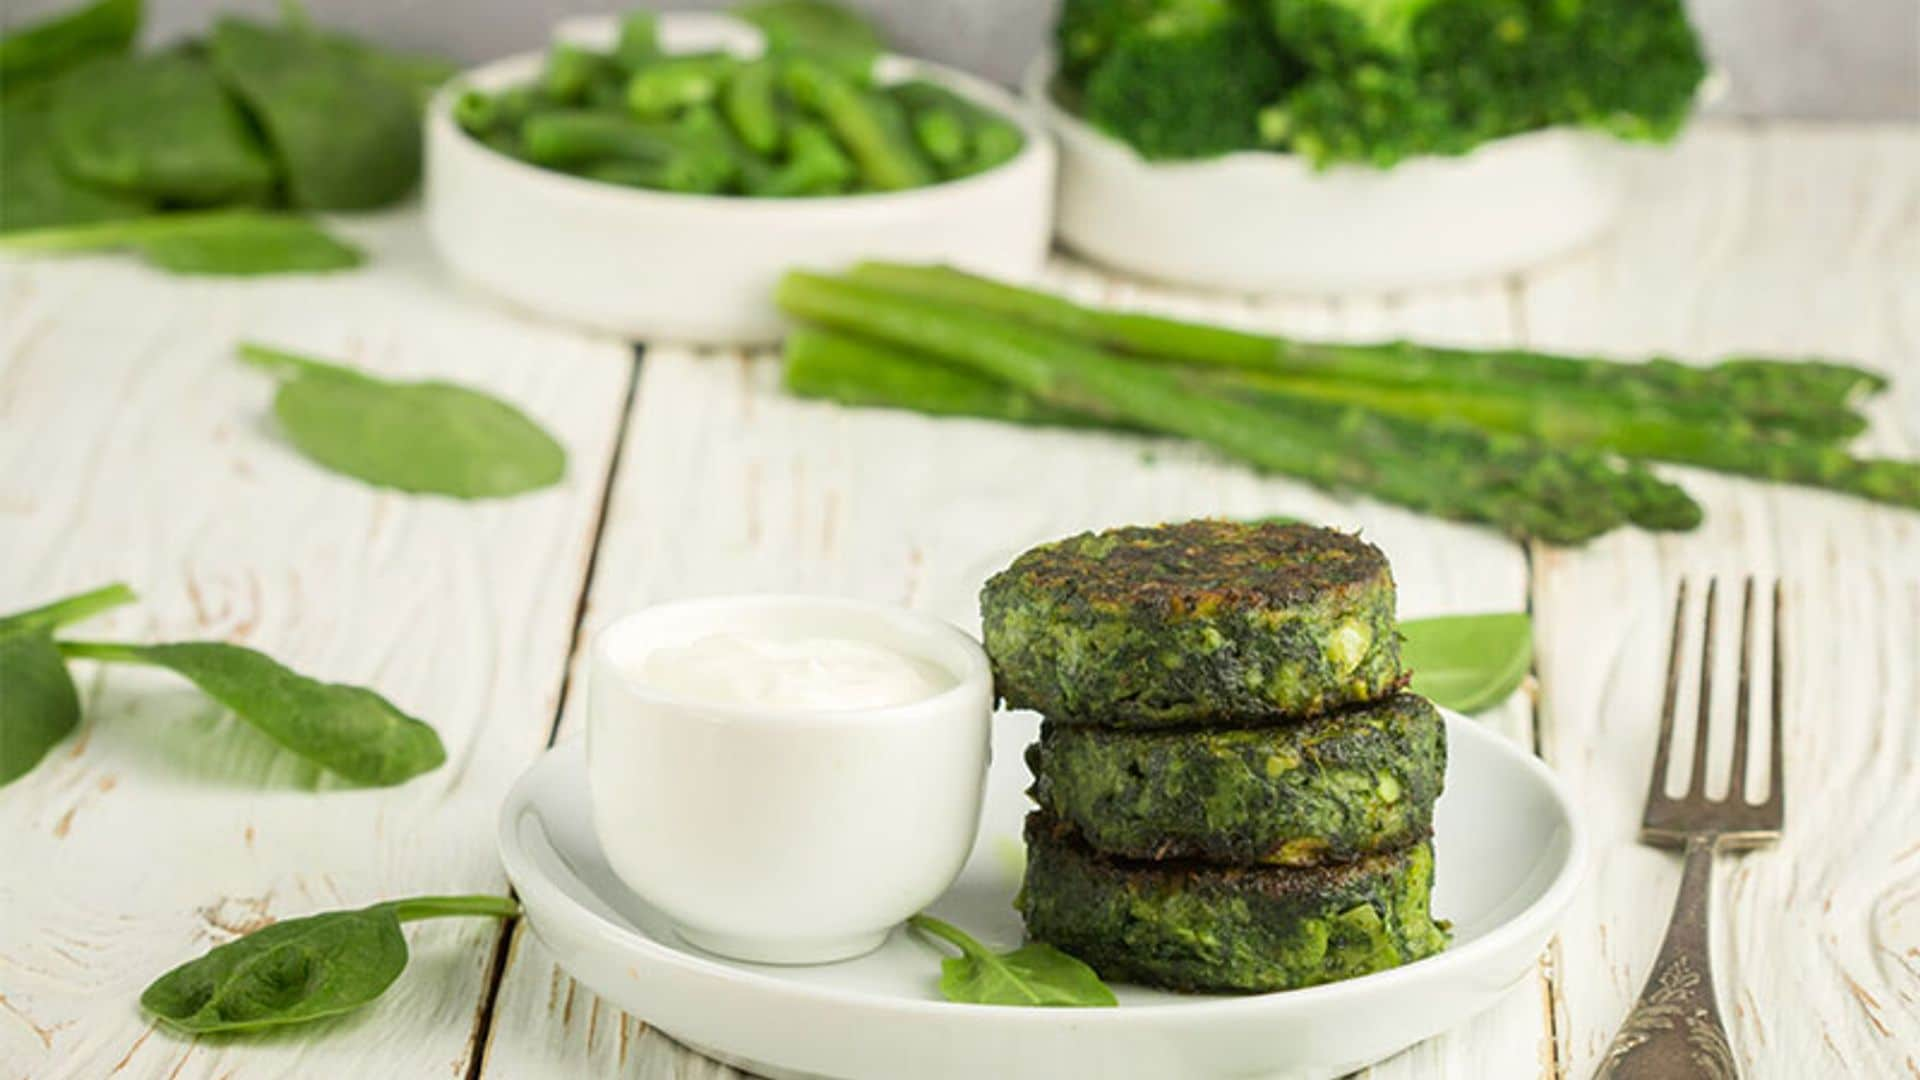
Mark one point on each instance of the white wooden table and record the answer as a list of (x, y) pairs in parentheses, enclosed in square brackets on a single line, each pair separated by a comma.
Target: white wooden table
[(135, 448)]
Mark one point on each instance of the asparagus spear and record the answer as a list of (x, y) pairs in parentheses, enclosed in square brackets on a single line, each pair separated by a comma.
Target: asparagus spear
[(1810, 398), (1730, 447), (1454, 472), (1635, 419), (857, 371)]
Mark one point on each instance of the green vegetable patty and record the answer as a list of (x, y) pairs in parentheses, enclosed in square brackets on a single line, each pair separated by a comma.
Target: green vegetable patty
[(1191, 926), (1201, 622), (1346, 785)]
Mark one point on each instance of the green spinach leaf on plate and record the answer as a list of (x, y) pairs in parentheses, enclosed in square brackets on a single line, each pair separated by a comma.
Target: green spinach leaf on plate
[(348, 730), (232, 242), (1468, 663), (159, 127), (345, 130), (300, 970), (39, 705), (424, 437), (1033, 974), (66, 41)]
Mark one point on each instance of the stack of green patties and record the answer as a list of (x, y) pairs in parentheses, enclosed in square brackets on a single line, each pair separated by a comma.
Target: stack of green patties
[(1235, 794)]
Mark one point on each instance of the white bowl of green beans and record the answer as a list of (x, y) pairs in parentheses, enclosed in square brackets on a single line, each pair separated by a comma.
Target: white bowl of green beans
[(658, 189)]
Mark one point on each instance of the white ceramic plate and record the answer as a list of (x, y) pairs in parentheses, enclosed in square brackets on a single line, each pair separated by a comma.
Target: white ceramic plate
[(1509, 857), (661, 265), (1263, 221)]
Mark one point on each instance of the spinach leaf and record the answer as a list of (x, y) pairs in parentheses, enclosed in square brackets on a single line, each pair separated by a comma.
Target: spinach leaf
[(349, 730), (234, 242), (55, 45), (159, 127), (40, 705), (302, 969), (1035, 974), (34, 192), (1468, 662), (430, 437), (420, 73), (346, 131)]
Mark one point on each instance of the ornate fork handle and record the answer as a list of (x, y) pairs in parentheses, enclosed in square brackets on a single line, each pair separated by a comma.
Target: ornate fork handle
[(1674, 1030)]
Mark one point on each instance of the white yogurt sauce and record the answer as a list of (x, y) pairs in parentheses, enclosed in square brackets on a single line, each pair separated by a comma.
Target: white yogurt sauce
[(804, 673)]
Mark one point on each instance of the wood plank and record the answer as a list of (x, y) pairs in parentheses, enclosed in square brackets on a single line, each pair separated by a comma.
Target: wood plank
[(1789, 241), (727, 485), (1514, 1038), (139, 449)]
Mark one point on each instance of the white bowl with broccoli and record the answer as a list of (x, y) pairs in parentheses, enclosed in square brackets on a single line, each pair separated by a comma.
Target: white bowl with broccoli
[(1331, 146), (618, 254)]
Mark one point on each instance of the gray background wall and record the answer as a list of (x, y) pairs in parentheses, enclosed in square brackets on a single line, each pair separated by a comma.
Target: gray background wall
[(1817, 59)]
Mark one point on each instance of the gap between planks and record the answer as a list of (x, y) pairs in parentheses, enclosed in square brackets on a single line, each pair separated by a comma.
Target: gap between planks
[(480, 1041)]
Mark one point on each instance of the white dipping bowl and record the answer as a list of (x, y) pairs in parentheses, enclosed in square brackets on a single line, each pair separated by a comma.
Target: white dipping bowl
[(1260, 221), (788, 836), (662, 265)]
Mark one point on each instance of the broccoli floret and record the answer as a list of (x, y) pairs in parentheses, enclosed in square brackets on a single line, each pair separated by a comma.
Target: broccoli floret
[(1187, 81), (1374, 81), (1087, 30), (1634, 67), (1388, 79)]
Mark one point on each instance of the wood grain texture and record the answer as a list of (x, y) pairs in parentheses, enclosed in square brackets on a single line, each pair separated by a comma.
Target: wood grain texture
[(138, 448), (1787, 242)]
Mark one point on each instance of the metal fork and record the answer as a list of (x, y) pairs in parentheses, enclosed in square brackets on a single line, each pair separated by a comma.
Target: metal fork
[(1674, 1030)]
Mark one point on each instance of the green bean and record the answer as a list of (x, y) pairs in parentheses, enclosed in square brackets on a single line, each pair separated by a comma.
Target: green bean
[(577, 136), (570, 71), (709, 133), (676, 82), (751, 105), (995, 142), (476, 111), (639, 42), (989, 138), (815, 164), (940, 127), (872, 126), (682, 172)]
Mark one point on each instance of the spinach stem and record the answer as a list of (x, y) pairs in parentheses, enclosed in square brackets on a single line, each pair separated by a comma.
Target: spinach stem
[(435, 907), (72, 609), (949, 933), (102, 650), (279, 362)]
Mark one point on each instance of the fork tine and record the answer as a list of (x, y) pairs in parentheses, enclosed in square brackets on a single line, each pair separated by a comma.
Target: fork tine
[(1697, 778), (1776, 781), (1737, 785), (1663, 748)]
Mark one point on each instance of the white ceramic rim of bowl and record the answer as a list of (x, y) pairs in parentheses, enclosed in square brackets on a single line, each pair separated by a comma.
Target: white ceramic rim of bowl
[(970, 670), (889, 68), (1548, 907)]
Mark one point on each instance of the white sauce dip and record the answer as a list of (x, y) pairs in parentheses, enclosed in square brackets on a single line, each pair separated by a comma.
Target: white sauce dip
[(803, 673)]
